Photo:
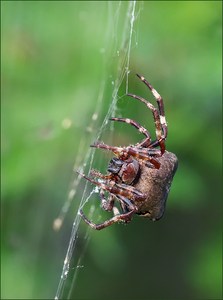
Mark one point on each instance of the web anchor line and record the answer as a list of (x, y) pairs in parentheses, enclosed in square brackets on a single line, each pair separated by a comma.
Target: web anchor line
[(122, 51)]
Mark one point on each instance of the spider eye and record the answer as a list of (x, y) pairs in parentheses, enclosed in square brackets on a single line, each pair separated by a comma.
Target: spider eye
[(115, 165), (113, 169), (116, 161)]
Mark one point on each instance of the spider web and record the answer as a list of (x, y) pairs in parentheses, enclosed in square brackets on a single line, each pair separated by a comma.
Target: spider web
[(120, 37)]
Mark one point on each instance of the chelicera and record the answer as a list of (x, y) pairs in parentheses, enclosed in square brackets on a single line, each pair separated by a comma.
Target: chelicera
[(140, 175)]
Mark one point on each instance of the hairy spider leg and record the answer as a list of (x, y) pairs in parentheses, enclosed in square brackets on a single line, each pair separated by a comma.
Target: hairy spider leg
[(126, 151), (143, 156), (144, 151), (126, 217), (118, 189), (140, 128), (125, 207), (115, 219), (126, 203), (108, 204), (96, 173), (133, 123), (160, 103), (157, 121)]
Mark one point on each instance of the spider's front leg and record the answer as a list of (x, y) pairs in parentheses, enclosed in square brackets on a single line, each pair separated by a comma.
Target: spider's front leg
[(144, 154)]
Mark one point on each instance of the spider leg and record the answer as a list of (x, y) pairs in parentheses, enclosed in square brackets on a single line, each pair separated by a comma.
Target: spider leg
[(133, 123), (145, 151), (157, 120), (121, 189), (96, 173), (108, 204), (124, 217), (117, 218), (160, 103), (125, 204), (124, 152), (146, 142)]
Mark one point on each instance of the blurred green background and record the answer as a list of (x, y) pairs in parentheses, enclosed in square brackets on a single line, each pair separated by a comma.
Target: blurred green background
[(55, 56)]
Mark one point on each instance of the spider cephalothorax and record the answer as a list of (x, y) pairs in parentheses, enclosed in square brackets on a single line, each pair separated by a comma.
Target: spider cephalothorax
[(126, 170), (140, 175)]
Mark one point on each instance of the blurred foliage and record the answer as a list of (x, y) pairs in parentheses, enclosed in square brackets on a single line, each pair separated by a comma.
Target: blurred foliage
[(53, 63)]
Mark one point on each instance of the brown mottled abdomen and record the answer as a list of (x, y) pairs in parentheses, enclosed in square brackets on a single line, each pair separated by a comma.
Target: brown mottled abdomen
[(155, 184)]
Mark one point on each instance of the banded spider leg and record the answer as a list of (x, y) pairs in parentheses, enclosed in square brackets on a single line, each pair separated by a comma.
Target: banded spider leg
[(122, 192)]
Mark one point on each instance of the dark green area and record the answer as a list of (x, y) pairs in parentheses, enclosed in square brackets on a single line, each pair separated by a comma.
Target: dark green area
[(53, 63)]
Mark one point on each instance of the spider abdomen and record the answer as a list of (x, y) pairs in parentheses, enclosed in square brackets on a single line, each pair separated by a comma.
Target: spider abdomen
[(155, 184)]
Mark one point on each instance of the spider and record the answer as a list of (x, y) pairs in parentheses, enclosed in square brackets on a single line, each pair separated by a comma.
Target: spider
[(140, 175)]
